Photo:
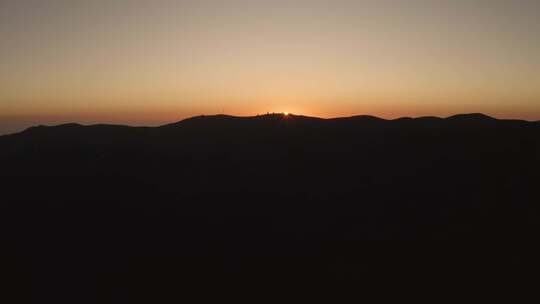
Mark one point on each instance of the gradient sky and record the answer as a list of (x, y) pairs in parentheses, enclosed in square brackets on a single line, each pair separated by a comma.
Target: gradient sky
[(150, 62)]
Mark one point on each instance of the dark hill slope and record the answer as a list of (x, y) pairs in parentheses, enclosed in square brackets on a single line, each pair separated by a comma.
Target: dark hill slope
[(269, 202)]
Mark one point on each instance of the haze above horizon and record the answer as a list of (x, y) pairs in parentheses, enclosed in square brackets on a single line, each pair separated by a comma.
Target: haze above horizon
[(153, 62)]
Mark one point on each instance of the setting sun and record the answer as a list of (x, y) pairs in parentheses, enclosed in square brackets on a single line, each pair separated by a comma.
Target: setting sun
[(151, 63)]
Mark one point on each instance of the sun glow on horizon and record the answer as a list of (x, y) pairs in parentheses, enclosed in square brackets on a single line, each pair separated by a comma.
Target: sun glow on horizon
[(152, 63)]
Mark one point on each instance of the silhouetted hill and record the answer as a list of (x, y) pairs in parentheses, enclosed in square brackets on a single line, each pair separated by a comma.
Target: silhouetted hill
[(216, 121), (472, 117), (264, 205)]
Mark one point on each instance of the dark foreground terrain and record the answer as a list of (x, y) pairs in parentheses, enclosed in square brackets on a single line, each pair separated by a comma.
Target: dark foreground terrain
[(257, 208)]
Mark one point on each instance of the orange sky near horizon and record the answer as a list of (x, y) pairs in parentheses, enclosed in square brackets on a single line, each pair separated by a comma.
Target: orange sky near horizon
[(154, 62)]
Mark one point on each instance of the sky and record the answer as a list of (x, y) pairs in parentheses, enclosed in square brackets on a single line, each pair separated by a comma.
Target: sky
[(153, 62)]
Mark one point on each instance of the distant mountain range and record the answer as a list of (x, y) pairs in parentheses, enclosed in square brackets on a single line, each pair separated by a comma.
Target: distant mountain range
[(264, 203), (211, 120)]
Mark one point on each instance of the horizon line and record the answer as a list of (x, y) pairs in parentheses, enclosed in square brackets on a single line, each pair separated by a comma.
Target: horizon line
[(283, 114)]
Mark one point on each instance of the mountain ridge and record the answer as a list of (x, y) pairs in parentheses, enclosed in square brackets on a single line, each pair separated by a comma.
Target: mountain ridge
[(476, 118)]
